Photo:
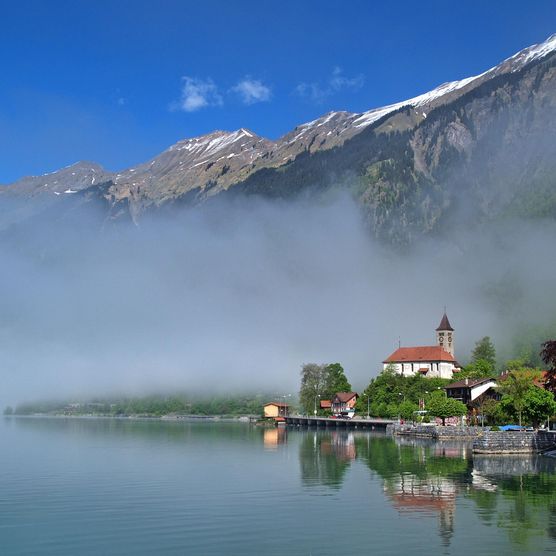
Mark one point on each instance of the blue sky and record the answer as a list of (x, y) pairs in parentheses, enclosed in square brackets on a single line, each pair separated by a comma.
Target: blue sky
[(119, 81)]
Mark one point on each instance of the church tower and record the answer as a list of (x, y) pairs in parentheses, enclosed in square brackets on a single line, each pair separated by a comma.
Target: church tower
[(445, 335)]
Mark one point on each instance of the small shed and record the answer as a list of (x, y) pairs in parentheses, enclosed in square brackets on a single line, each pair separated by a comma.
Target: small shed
[(276, 409)]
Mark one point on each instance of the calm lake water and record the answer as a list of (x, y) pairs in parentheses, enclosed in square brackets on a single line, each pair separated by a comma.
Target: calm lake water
[(102, 487)]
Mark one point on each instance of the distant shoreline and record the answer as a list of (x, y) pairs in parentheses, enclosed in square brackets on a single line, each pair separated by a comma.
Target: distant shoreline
[(211, 418)]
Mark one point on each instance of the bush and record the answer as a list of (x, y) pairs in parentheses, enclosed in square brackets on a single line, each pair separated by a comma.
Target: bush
[(495, 428)]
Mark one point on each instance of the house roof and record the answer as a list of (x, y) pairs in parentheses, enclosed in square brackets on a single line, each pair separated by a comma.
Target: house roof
[(471, 383), (277, 404), (420, 354), (445, 324), (344, 397), (325, 404)]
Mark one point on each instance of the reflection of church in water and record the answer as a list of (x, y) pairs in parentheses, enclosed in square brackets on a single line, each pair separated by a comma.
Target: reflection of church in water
[(432, 495), (429, 495)]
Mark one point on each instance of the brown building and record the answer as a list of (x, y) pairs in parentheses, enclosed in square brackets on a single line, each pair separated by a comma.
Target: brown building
[(343, 403), (471, 391)]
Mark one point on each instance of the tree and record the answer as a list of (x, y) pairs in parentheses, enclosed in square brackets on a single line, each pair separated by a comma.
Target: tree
[(438, 405), (515, 388), (539, 405), (493, 411), (479, 369), (390, 388), (335, 380), (407, 410), (9, 410), (313, 384), (485, 351), (548, 355)]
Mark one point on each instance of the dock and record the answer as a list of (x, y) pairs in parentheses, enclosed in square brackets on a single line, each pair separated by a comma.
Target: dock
[(329, 422)]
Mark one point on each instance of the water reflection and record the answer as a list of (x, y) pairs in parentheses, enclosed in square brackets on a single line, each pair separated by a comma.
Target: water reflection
[(512, 498), (419, 477), (325, 457), (272, 437)]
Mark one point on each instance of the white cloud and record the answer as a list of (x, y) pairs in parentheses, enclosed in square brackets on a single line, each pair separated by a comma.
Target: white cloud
[(197, 93), (252, 91), (336, 83)]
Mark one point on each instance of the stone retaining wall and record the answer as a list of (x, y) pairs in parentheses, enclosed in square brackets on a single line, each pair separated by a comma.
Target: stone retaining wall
[(434, 431), (514, 442)]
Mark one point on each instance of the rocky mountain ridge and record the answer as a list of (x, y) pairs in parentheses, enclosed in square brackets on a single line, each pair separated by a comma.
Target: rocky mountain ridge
[(395, 159)]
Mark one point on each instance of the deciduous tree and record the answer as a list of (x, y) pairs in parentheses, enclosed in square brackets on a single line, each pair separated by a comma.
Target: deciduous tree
[(515, 387), (438, 405)]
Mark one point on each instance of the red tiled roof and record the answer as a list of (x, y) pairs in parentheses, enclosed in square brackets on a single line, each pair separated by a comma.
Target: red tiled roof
[(344, 397), (325, 404), (420, 354), (277, 404), (424, 370)]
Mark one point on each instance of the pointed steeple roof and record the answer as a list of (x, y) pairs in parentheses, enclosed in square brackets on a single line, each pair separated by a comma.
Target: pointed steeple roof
[(445, 323)]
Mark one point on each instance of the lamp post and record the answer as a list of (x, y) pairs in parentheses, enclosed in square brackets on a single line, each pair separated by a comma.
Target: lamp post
[(368, 405), (284, 396), (315, 410)]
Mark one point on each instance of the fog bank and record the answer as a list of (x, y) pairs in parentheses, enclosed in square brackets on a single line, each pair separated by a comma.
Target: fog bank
[(238, 295)]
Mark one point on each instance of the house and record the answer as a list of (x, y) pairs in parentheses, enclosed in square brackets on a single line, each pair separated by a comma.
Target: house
[(343, 403), (430, 361), (276, 409), (472, 391), (326, 405)]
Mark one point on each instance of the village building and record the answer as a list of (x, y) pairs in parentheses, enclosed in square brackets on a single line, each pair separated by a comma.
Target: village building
[(276, 409), (325, 404), (343, 404), (473, 391), (430, 361)]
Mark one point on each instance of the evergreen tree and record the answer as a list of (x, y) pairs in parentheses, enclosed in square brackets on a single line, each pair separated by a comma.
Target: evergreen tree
[(484, 351)]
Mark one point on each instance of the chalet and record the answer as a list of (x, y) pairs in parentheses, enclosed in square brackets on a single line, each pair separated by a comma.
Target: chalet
[(343, 403), (472, 391), (430, 361), (276, 409)]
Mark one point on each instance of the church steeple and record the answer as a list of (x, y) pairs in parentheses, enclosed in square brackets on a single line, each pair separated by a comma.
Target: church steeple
[(445, 335)]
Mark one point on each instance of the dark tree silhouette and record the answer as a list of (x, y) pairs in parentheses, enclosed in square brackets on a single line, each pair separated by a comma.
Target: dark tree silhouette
[(548, 355)]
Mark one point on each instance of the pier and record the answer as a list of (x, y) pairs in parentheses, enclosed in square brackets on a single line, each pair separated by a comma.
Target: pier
[(329, 422)]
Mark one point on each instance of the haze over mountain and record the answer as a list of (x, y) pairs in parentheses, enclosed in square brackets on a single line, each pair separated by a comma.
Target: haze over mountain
[(482, 146)]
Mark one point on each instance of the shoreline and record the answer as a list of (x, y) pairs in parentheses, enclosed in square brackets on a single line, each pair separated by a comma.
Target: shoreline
[(167, 418)]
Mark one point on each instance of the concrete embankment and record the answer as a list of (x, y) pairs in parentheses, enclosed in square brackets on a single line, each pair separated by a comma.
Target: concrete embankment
[(514, 442)]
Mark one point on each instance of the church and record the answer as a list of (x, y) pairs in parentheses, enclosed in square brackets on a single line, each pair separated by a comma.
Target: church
[(430, 361)]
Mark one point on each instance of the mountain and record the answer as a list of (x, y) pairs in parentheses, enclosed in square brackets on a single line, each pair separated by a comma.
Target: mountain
[(480, 148)]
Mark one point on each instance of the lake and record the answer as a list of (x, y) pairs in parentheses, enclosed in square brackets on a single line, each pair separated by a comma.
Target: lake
[(103, 487)]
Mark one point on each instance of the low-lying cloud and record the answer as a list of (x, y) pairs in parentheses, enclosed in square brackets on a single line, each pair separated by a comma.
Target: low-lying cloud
[(238, 295)]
